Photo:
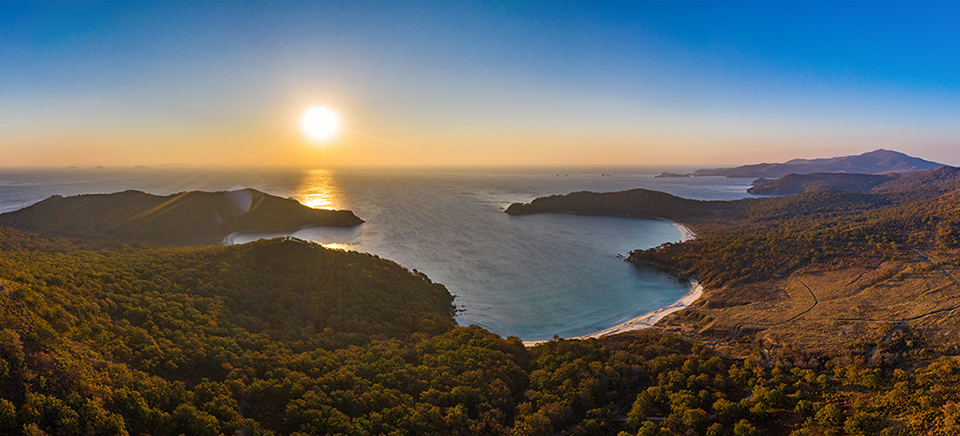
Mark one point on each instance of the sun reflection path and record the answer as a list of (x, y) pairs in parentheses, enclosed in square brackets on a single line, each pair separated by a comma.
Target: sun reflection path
[(318, 190)]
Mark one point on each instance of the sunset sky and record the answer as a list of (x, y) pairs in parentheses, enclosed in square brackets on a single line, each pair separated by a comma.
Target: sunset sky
[(476, 84)]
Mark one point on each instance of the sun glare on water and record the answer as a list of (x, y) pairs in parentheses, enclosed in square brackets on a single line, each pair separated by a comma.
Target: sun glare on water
[(320, 123)]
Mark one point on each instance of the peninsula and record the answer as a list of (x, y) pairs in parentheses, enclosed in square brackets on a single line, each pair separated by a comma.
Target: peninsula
[(187, 218), (634, 203)]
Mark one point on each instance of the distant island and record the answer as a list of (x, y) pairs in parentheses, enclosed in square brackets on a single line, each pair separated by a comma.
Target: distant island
[(187, 218), (667, 174), (875, 162)]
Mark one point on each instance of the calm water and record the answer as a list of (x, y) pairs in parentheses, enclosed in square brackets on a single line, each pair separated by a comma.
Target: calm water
[(532, 276)]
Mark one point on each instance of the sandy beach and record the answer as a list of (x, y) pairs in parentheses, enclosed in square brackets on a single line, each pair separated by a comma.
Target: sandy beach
[(643, 321), (650, 318), (687, 233)]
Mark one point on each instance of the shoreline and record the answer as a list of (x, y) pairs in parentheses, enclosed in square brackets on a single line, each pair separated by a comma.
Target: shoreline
[(687, 233), (648, 319), (644, 321)]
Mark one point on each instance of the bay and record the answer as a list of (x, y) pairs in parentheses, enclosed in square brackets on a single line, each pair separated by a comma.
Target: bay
[(530, 276)]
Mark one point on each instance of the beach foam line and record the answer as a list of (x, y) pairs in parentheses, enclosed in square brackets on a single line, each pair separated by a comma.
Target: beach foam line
[(646, 320), (229, 239)]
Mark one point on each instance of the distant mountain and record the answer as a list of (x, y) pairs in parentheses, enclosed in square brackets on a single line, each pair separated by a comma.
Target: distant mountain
[(874, 162), (945, 177), (187, 218)]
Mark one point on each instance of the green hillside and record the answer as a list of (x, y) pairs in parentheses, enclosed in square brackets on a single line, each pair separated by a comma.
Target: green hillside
[(284, 337), (287, 338)]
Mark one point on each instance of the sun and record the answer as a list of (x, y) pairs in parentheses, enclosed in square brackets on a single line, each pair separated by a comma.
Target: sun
[(320, 123)]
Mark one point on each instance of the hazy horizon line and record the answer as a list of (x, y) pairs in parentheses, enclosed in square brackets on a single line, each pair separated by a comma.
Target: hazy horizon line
[(505, 167)]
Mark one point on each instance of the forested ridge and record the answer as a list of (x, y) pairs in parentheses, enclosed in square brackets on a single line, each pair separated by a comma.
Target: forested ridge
[(633, 203), (858, 183), (776, 236), (284, 337), (800, 183)]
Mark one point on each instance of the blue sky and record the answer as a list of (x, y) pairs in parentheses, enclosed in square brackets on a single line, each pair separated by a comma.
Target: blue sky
[(477, 83)]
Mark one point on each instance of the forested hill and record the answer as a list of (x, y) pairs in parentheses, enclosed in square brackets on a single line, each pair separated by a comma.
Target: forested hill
[(943, 178), (800, 183), (634, 203), (188, 218), (284, 337)]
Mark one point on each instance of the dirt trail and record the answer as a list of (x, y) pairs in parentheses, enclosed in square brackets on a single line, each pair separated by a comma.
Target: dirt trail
[(936, 265), (900, 322), (816, 301)]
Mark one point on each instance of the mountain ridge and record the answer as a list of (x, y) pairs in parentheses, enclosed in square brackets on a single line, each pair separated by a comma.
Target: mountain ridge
[(875, 162)]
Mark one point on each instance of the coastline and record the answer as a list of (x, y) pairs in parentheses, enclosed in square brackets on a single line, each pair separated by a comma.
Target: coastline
[(687, 233), (648, 319), (228, 240)]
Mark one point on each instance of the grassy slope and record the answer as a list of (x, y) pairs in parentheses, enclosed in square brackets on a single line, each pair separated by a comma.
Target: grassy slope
[(870, 265)]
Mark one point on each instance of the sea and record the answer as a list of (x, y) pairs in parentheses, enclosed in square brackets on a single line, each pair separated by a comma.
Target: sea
[(535, 277)]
